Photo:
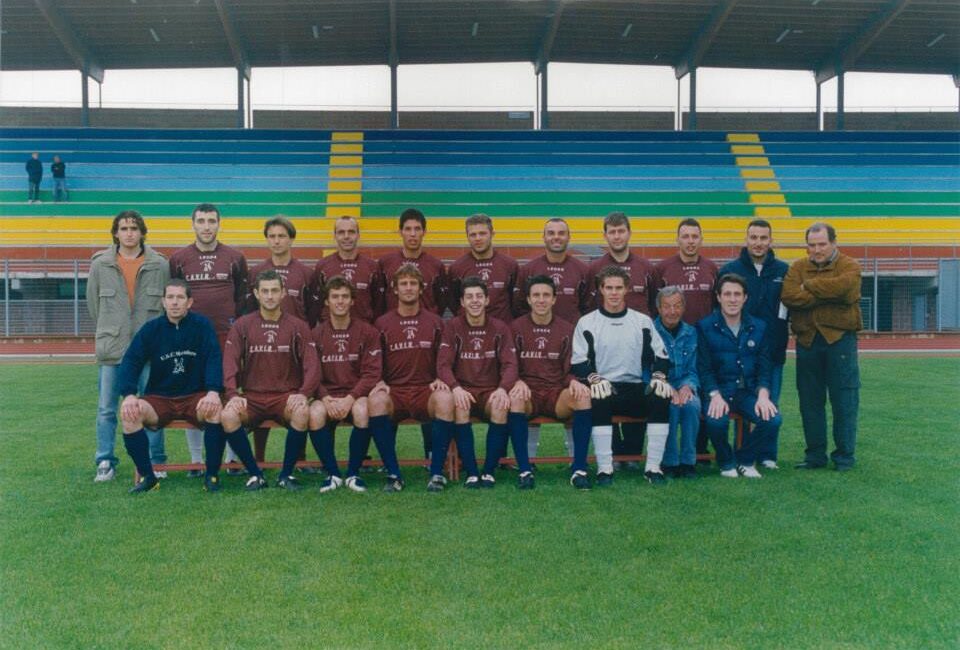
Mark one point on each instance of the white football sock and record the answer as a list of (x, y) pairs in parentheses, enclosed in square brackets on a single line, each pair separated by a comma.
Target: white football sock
[(656, 443), (195, 444), (603, 448)]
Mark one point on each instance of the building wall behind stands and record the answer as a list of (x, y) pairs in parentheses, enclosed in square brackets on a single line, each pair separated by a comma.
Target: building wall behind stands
[(753, 121), (612, 120), (895, 121), (162, 118)]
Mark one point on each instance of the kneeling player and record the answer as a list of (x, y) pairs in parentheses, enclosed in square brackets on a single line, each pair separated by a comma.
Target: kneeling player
[(546, 386), (612, 348), (186, 377), (271, 357), (350, 366), (478, 362), (409, 338)]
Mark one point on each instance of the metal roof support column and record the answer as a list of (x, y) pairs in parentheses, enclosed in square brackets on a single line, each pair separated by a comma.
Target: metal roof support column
[(693, 99), (819, 109), (84, 98), (544, 106), (394, 109), (956, 82), (240, 111), (840, 120)]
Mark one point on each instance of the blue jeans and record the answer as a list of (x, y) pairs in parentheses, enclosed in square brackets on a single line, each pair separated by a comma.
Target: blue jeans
[(769, 449), (33, 191), (107, 419), (829, 368), (754, 437), (687, 418), (60, 189)]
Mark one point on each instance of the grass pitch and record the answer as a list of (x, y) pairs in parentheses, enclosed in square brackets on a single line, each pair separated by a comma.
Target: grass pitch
[(865, 559)]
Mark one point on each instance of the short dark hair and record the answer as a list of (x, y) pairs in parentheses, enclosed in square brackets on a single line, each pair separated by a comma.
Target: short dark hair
[(478, 219), (612, 271), (280, 220), (414, 214), (473, 281), (338, 282), (689, 221), (408, 270), (616, 219), (205, 207), (726, 278), (128, 214), (266, 276), (760, 223), (556, 220), (346, 216), (820, 225), (178, 282), (540, 279)]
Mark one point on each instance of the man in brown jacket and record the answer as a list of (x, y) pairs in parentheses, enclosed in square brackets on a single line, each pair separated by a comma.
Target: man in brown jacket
[(823, 294)]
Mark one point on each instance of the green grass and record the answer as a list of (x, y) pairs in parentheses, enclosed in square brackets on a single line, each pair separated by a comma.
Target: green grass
[(865, 559)]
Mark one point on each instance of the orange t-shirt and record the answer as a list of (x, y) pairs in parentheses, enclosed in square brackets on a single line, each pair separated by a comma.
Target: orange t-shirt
[(129, 268)]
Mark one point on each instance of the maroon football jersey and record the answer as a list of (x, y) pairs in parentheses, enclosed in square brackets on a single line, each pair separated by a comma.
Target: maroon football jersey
[(570, 276), (477, 357), (363, 273), (696, 279), (434, 295), (297, 280), (410, 345), (639, 292), (500, 274), (264, 356), (350, 359), (543, 352), (217, 279)]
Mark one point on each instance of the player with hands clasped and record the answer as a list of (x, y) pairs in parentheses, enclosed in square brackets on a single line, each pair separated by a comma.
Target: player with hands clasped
[(613, 347), (734, 365)]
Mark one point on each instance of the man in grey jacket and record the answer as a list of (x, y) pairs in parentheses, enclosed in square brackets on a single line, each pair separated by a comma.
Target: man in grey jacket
[(124, 291)]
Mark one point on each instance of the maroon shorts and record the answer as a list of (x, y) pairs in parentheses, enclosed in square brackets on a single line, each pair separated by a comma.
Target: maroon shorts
[(176, 408), (545, 401), (482, 395), (265, 406), (411, 402)]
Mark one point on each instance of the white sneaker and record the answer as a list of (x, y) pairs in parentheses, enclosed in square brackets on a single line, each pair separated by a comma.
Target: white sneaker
[(769, 464), (749, 471), (331, 484), (160, 473), (730, 473), (356, 484), (105, 472)]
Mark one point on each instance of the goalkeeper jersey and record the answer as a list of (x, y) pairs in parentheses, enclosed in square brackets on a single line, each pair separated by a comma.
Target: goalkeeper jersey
[(622, 347)]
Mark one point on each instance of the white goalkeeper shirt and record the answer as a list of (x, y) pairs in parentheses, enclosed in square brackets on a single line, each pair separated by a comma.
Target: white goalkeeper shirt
[(621, 347)]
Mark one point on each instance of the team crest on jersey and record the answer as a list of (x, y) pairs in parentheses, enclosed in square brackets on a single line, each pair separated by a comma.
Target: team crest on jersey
[(347, 272), (179, 368), (484, 274), (691, 275), (541, 342), (410, 333), (271, 336), (476, 343), (557, 278), (206, 265), (341, 345)]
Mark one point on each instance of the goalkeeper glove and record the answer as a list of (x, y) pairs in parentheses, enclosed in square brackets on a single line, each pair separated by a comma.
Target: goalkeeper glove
[(600, 388), (659, 385)]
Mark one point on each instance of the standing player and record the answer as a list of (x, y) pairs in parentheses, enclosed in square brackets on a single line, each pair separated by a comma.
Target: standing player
[(217, 275), (269, 356), (546, 386), (350, 366), (410, 340), (478, 362), (123, 291), (361, 271), (628, 437), (186, 377), (764, 274), (613, 347), (499, 271)]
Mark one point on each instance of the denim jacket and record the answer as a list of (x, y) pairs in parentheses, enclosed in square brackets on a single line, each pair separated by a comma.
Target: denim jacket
[(683, 354)]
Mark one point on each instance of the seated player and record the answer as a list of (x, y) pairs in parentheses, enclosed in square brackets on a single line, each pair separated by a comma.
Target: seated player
[(269, 369), (478, 362), (410, 339), (546, 386), (186, 377), (612, 348), (350, 360)]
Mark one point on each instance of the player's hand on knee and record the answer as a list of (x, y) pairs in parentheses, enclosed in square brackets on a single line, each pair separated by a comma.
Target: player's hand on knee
[(718, 407), (130, 408), (578, 390), (600, 387), (209, 406), (298, 404), (520, 391), (237, 405), (500, 400), (438, 385), (660, 386), (462, 399)]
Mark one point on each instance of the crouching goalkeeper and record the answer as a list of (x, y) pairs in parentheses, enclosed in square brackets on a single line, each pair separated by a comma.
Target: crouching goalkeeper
[(613, 347)]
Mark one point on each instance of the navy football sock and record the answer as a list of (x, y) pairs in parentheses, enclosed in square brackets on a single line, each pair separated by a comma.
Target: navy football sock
[(385, 437), (359, 445), (582, 425), (139, 449), (322, 440), (519, 431), (291, 450), (464, 435), (213, 443), (241, 447), (442, 431), (496, 444)]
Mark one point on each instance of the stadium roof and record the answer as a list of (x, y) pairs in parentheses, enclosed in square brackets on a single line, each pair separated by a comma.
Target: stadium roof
[(824, 36)]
